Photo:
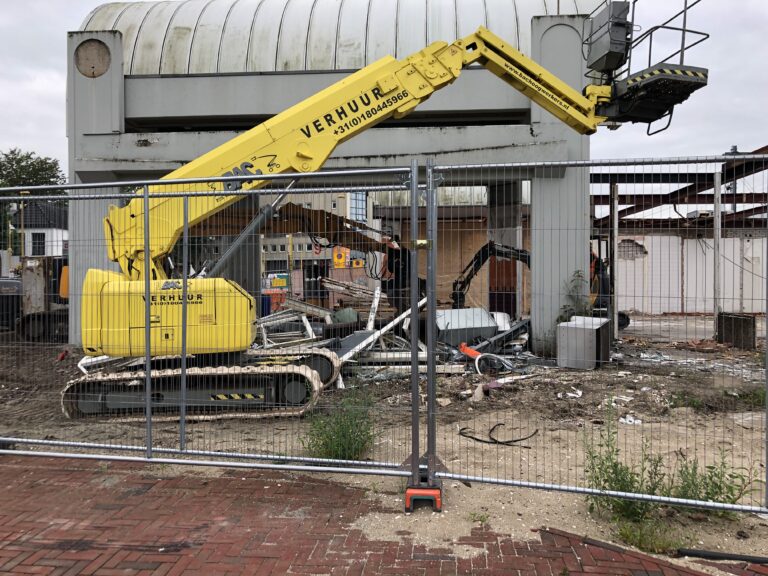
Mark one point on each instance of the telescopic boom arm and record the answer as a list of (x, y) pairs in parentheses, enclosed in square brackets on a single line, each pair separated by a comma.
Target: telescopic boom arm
[(301, 138)]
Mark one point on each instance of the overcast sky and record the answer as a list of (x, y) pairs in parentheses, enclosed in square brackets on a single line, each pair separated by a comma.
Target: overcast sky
[(731, 110)]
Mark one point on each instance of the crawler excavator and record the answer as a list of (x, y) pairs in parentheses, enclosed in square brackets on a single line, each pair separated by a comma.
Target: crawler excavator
[(599, 281), (221, 315)]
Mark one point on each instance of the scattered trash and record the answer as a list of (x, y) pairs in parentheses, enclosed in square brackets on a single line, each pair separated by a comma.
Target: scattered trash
[(515, 378), (575, 394), (468, 352), (364, 339), (455, 326), (616, 401), (467, 432), (478, 394), (654, 357), (489, 364), (398, 399), (629, 419)]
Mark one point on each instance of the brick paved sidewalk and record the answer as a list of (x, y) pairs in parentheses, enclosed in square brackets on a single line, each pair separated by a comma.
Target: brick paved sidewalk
[(67, 517)]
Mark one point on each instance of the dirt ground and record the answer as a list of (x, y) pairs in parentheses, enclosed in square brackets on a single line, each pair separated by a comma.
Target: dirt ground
[(682, 399)]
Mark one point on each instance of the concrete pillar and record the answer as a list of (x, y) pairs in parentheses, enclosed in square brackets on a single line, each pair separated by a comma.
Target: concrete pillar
[(560, 199), (504, 217), (95, 102)]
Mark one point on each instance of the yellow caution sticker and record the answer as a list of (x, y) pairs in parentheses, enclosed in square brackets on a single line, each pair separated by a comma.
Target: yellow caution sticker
[(670, 71), (237, 396)]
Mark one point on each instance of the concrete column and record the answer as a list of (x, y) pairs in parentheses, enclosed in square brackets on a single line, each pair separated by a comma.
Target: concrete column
[(87, 248), (504, 217), (560, 199), (503, 212), (95, 105)]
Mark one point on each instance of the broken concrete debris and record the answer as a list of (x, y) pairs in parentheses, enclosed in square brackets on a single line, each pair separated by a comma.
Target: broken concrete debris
[(385, 352), (483, 364), (576, 393)]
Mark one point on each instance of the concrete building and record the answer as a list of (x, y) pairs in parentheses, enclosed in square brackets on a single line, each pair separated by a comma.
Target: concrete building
[(153, 85)]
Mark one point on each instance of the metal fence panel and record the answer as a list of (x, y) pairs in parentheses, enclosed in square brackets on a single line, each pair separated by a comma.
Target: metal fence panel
[(562, 387), (313, 384), (497, 257)]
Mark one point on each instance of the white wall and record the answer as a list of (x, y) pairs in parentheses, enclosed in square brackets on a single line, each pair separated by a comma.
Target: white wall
[(677, 275), (54, 240)]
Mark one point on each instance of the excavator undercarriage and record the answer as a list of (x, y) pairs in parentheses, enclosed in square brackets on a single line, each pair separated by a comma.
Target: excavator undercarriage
[(254, 384), (211, 393)]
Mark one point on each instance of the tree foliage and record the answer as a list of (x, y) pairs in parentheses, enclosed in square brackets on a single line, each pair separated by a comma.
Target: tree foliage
[(19, 168)]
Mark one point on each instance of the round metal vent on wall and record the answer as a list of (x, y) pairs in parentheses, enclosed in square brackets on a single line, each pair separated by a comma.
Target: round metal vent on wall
[(92, 58)]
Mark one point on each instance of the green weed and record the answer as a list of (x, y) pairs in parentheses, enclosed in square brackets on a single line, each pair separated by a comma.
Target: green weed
[(684, 399), (345, 434), (754, 397), (718, 482), (650, 536), (479, 517), (605, 471)]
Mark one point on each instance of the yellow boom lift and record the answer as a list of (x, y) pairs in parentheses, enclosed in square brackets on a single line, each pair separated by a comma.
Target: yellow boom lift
[(221, 315)]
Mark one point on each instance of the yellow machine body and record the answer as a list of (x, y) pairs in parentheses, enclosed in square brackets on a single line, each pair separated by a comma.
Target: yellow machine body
[(219, 316)]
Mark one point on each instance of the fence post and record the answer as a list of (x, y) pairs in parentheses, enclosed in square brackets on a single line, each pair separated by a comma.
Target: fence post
[(414, 326), (431, 321), (613, 261), (147, 327), (718, 184), (184, 278)]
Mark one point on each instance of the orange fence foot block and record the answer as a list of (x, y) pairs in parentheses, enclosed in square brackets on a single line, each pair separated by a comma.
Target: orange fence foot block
[(434, 495)]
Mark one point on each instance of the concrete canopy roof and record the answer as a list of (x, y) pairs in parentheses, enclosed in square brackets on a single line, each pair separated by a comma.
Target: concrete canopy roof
[(237, 36)]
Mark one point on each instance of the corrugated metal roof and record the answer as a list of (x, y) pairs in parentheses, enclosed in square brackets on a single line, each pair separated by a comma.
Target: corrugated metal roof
[(218, 36)]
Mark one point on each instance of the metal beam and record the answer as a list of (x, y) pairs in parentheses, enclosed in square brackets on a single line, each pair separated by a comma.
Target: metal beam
[(654, 200), (743, 214), (730, 169), (648, 177), (676, 226)]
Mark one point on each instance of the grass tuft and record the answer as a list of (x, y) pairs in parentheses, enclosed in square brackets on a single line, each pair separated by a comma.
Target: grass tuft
[(606, 471), (639, 523), (345, 434), (653, 536)]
